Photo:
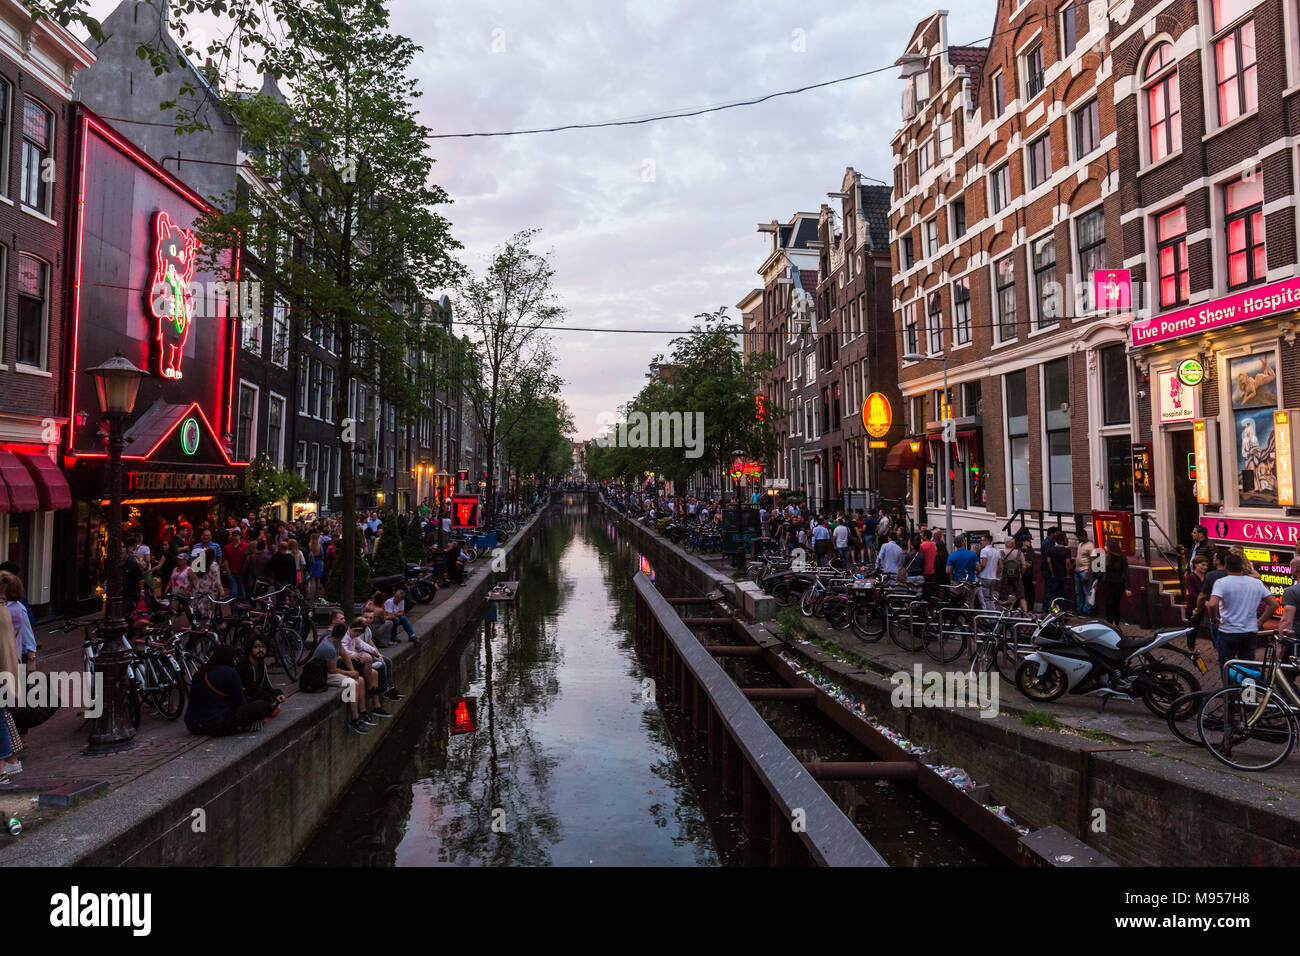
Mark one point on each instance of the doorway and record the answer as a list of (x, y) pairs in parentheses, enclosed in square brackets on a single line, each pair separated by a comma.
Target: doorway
[(1187, 510)]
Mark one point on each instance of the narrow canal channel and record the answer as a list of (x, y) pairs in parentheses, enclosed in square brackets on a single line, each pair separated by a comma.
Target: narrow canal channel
[(573, 763)]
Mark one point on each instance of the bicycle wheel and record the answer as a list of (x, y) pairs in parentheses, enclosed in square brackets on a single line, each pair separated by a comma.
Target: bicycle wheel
[(869, 621), (168, 695), (808, 603), (287, 644), (200, 643), (1182, 717), (1165, 684), (941, 644), (782, 595), (907, 632), (1250, 736), (310, 638)]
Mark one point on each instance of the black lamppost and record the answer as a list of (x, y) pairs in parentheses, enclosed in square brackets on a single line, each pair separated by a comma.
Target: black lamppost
[(117, 382)]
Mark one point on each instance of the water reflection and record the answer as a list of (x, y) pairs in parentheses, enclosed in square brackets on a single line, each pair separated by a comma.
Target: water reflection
[(571, 764)]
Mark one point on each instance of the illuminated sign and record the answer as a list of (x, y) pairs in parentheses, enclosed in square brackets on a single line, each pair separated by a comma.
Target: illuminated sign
[(464, 715), (1201, 436), (1230, 310), (1191, 466), (1143, 482), (176, 481), (464, 511), (752, 470), (1285, 463), (1191, 373), (171, 297), (877, 444), (1112, 289), (190, 436), (877, 415), (1177, 401), (1252, 531), (463, 474), (1115, 524), (760, 408)]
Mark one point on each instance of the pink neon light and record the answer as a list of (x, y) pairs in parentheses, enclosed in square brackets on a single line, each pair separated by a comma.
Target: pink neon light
[(1231, 309), (170, 298), (1252, 531)]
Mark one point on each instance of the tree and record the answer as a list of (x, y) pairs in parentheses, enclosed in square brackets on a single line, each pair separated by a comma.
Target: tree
[(350, 208), (507, 308), (540, 444), (388, 551), (362, 583), (264, 485), (413, 542)]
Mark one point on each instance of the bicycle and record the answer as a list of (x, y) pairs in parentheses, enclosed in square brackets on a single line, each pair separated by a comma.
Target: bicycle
[(1253, 725)]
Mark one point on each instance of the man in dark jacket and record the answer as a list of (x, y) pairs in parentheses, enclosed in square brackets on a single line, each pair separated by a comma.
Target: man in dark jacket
[(217, 705), (255, 677)]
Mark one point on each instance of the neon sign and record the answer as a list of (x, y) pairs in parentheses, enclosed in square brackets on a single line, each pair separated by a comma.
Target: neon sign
[(877, 416), (464, 715), (171, 300), (190, 436)]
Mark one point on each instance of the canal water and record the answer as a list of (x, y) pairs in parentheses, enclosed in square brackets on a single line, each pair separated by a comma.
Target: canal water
[(571, 762)]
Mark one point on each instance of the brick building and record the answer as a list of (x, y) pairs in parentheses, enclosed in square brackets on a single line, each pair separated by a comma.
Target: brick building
[(1206, 101), (37, 64), (1006, 203)]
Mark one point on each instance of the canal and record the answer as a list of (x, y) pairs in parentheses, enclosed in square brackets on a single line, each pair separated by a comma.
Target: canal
[(572, 763)]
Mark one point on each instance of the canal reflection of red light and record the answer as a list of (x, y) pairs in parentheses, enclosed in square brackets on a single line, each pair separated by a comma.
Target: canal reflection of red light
[(464, 715)]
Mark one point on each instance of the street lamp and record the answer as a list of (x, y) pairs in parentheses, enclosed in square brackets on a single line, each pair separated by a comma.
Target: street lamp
[(117, 382), (947, 436)]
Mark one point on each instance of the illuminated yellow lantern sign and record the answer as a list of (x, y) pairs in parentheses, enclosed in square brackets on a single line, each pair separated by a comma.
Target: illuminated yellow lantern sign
[(1200, 443), (877, 416), (1285, 472)]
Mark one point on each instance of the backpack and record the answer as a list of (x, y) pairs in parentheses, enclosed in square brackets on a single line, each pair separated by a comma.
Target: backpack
[(1013, 563), (313, 678)]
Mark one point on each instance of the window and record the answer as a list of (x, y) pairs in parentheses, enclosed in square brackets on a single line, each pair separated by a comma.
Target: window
[(906, 259), (1114, 385), (1005, 284), (826, 409), (1069, 29), (1056, 419), (33, 311), (315, 387), (1018, 438), (999, 94), (1090, 236), (1164, 111), (932, 238), (247, 427), (1171, 256), (252, 326), (1047, 294), (972, 398), (809, 420), (300, 461), (6, 107), (918, 413), (1244, 220), (327, 399), (958, 218), (934, 323), (280, 332), (911, 343), (1234, 59), (961, 311), (1000, 187), (38, 148), (1087, 129), (925, 156), (304, 368), (1033, 64), (921, 84), (945, 139), (1040, 160), (812, 368), (275, 431)]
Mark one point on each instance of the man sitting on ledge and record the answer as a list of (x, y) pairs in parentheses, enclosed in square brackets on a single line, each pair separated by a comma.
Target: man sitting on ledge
[(217, 705)]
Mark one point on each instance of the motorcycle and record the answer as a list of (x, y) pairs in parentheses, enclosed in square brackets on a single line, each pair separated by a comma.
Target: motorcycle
[(1090, 658)]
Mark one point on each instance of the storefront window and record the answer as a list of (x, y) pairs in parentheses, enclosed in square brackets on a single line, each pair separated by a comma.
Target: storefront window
[(1252, 380), (1056, 417), (1119, 472)]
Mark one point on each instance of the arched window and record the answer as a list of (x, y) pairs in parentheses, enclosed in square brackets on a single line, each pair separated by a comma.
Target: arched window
[(1164, 120)]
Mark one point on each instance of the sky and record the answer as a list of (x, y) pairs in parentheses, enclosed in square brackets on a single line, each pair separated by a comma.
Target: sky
[(650, 225)]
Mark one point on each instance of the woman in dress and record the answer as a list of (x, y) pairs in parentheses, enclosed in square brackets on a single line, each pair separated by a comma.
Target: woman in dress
[(316, 567), (209, 586), (299, 563)]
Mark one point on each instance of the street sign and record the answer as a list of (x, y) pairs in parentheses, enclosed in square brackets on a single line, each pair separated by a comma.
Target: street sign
[(464, 511), (462, 474)]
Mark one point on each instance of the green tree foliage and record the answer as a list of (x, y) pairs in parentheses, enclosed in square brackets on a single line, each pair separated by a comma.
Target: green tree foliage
[(347, 225), (265, 485), (540, 445), (388, 551), (413, 541)]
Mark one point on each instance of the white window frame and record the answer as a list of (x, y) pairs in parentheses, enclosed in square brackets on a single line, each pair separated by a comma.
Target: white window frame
[(252, 429), (273, 398), (1002, 170), (952, 295), (997, 302)]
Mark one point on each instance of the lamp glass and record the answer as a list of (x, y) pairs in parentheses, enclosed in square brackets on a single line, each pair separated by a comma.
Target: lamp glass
[(117, 383)]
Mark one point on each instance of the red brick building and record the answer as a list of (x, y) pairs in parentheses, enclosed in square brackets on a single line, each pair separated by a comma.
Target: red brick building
[(1006, 203)]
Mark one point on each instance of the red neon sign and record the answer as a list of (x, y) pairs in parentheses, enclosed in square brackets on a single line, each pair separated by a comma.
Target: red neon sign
[(171, 300)]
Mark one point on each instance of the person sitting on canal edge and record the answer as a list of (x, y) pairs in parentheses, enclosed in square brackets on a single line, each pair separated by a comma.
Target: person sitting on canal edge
[(255, 676), (217, 706), (340, 672), (395, 611), (369, 663)]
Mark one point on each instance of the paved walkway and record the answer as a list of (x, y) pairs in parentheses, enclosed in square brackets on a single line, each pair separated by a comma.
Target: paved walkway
[(1120, 721), (55, 751)]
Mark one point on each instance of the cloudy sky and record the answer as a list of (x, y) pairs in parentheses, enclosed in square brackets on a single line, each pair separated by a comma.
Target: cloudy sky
[(651, 225)]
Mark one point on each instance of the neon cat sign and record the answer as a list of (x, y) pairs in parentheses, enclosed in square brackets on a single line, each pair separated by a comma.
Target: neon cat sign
[(171, 299)]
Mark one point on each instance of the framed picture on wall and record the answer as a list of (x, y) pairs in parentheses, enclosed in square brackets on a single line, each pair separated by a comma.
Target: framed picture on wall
[(1252, 380), (1256, 452)]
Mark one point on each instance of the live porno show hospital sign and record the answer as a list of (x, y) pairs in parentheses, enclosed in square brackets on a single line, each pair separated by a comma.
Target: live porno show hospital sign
[(1241, 307)]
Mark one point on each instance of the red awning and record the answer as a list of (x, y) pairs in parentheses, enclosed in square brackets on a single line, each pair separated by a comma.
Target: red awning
[(22, 490), (51, 486), (902, 458)]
